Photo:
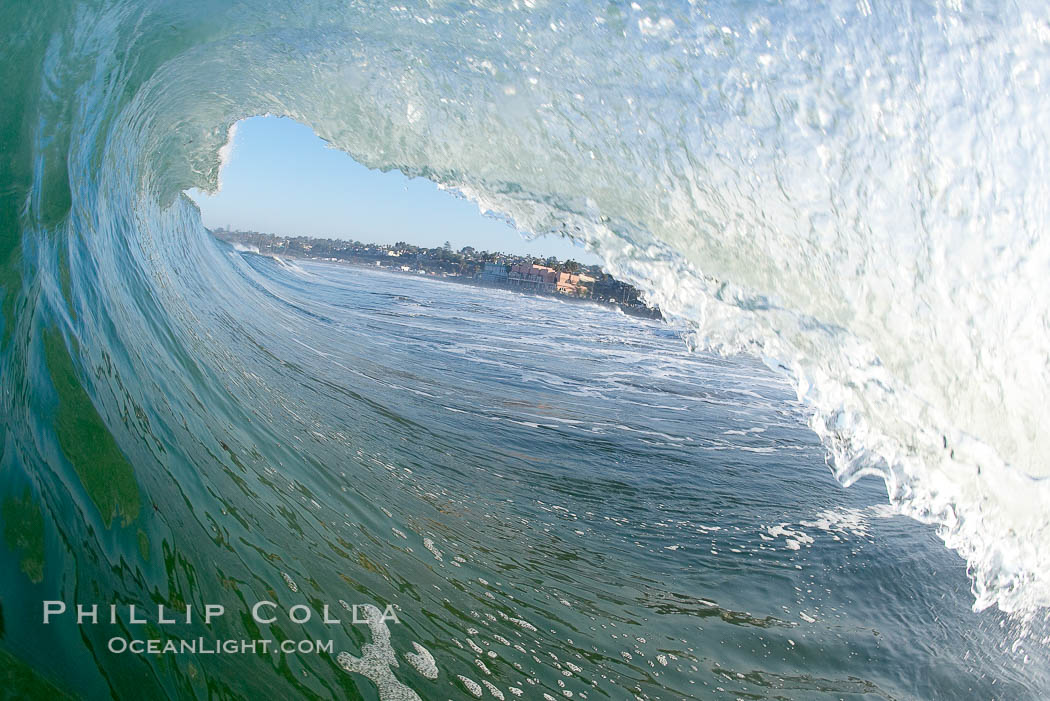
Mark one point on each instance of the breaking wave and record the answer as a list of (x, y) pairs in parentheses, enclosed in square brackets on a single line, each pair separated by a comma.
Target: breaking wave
[(855, 192)]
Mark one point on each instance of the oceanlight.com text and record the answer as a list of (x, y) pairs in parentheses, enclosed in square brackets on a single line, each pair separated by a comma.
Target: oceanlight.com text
[(201, 646)]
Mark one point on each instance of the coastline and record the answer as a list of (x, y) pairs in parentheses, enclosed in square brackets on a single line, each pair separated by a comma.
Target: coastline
[(641, 311)]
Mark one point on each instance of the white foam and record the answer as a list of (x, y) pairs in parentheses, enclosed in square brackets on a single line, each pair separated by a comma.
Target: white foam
[(428, 543), (472, 686), (493, 690), (423, 661), (377, 660)]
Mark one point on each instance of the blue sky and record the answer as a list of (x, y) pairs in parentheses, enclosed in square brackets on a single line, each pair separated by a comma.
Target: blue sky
[(282, 179)]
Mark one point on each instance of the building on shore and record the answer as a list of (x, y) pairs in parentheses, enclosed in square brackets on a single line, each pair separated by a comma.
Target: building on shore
[(536, 278), (530, 277), (493, 274), (575, 284)]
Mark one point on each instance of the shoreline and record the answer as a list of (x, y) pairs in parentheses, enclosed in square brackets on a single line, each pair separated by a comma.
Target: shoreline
[(638, 311)]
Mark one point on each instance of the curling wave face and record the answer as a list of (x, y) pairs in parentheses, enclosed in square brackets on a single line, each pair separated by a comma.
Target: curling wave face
[(856, 194)]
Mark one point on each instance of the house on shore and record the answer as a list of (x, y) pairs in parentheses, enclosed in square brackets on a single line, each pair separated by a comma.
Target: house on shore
[(536, 278), (493, 274), (541, 278)]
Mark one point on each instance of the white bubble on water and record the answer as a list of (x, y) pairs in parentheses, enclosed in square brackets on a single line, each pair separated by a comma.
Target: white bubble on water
[(429, 545), (493, 690), (471, 685), (423, 661), (377, 660)]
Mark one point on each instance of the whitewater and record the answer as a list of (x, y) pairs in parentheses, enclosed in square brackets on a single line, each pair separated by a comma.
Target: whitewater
[(854, 194)]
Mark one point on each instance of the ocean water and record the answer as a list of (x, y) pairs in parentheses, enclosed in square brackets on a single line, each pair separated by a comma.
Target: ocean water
[(839, 207), (557, 498)]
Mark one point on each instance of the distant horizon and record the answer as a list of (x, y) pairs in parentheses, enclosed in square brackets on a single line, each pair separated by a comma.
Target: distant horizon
[(281, 178)]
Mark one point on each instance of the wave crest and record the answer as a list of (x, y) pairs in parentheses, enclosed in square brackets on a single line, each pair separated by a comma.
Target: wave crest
[(856, 194)]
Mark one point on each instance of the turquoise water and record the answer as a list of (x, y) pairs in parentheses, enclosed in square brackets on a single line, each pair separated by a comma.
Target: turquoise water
[(848, 201), (509, 471), (567, 488)]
